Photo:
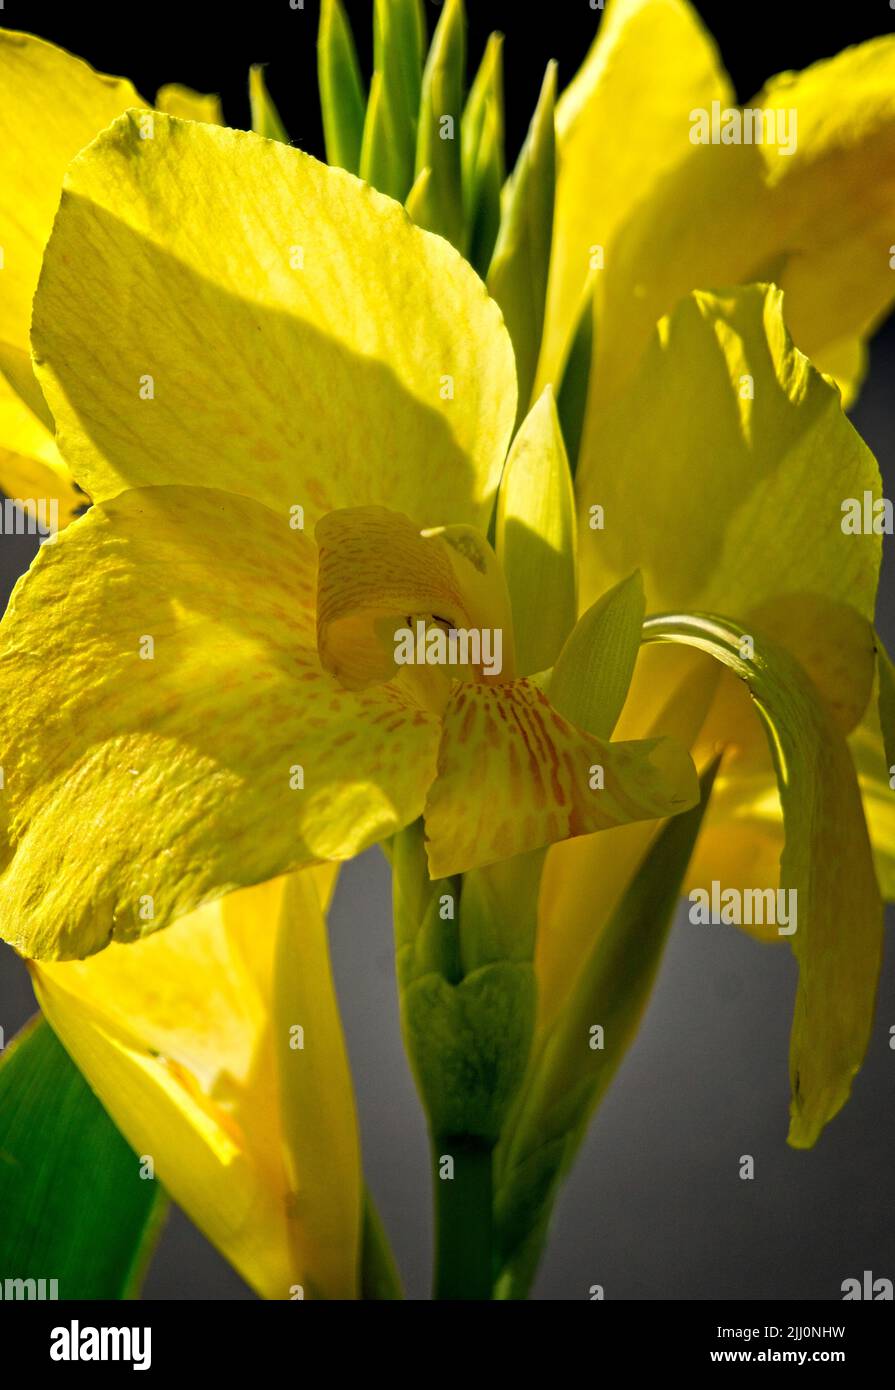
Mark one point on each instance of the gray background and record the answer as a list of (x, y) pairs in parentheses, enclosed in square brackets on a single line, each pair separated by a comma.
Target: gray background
[(655, 1207)]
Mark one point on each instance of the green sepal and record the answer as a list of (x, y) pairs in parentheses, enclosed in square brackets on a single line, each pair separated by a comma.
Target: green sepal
[(468, 1044)]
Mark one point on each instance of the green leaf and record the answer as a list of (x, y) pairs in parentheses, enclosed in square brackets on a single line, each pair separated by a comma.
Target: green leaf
[(438, 145), (342, 100), (535, 538), (265, 116), (74, 1206), (573, 390), (517, 278), (482, 156), (399, 33), (591, 678), (568, 1076), (826, 861)]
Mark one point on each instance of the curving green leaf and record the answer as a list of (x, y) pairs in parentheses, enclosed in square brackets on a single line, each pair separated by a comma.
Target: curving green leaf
[(342, 100), (74, 1206), (826, 861), (568, 1075)]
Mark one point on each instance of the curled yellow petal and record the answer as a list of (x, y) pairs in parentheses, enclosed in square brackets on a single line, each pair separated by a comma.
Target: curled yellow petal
[(217, 1050)]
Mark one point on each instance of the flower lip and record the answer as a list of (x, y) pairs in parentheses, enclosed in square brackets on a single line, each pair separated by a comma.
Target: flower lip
[(391, 596)]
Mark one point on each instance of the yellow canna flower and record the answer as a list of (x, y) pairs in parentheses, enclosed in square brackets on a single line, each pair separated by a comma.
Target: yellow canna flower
[(179, 736), (805, 199), (51, 106), (713, 451), (239, 346)]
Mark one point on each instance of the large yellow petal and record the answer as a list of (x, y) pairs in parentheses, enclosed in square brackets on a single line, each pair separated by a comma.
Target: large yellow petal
[(51, 105), (620, 125), (306, 343), (817, 219), (831, 203), (187, 1037), (541, 779), (722, 469), (138, 788)]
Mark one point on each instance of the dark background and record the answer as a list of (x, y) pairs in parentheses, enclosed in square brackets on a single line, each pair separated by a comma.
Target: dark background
[(655, 1207)]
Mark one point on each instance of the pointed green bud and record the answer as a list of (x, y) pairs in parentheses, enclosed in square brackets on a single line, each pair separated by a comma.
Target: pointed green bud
[(342, 100), (439, 136), (482, 151), (517, 278), (265, 116)]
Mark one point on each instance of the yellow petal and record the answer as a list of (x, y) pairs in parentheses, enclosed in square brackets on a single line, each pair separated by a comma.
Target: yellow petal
[(176, 100), (535, 538), (51, 105), (831, 203), (378, 572), (185, 1038), (620, 125), (166, 731), (817, 219), (725, 402), (291, 359), (31, 468), (545, 779)]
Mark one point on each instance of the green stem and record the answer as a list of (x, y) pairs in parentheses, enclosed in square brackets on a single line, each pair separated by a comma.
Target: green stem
[(463, 1219)]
